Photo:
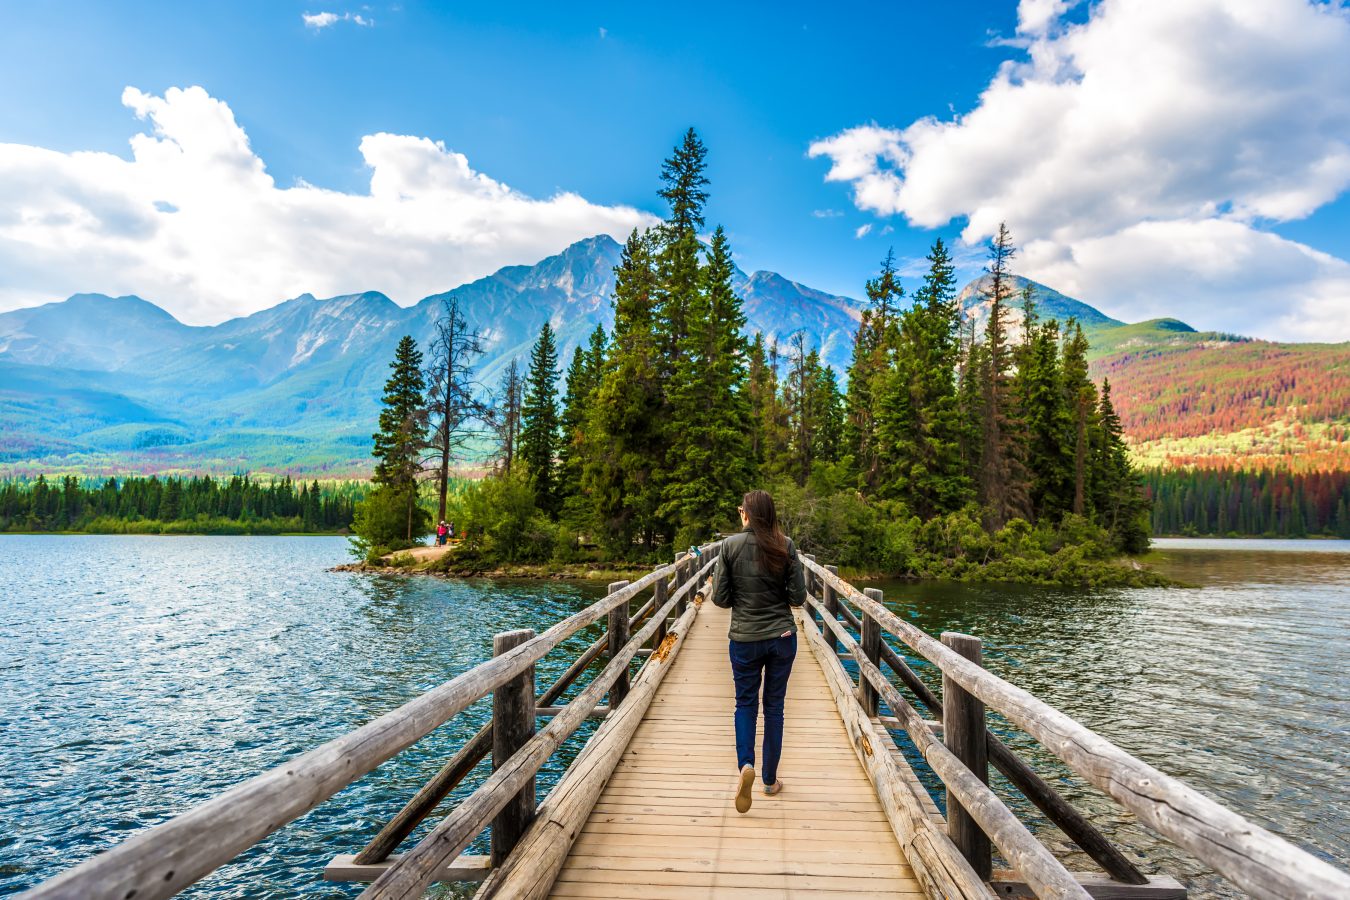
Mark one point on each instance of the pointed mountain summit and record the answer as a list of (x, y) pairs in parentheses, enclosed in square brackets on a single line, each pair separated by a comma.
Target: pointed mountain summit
[(1050, 304)]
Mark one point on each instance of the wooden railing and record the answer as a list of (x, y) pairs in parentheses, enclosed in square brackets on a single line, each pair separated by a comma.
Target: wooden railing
[(1252, 858), (162, 860)]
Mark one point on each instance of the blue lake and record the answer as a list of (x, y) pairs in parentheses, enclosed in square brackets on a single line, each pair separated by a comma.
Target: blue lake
[(141, 675)]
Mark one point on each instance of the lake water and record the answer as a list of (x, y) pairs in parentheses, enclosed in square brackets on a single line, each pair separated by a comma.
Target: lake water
[(142, 675)]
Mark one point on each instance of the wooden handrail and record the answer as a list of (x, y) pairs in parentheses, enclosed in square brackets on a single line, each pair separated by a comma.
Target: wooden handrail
[(1015, 769), (530, 872), (161, 861), (1045, 874), (476, 749), (416, 869), (1251, 857)]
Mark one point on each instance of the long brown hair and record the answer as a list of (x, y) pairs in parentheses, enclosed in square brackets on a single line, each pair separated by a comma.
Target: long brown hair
[(759, 509)]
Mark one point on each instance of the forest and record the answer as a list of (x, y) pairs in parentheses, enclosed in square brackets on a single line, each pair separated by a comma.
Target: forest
[(178, 505), (950, 453), (1233, 503)]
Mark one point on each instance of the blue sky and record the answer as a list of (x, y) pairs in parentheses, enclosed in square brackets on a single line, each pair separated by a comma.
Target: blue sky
[(550, 98)]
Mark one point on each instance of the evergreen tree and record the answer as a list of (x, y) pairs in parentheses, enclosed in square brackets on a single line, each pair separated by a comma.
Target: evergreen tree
[(829, 406), (1002, 478), (1080, 398), (1045, 421), (539, 420), (398, 451), (403, 420), (919, 422), (683, 181), (873, 348), (583, 380), (711, 461), (624, 436)]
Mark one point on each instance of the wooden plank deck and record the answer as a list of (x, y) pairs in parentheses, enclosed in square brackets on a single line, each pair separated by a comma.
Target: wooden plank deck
[(665, 825)]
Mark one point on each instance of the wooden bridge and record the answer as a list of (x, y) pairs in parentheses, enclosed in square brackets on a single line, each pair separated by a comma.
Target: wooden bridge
[(645, 808)]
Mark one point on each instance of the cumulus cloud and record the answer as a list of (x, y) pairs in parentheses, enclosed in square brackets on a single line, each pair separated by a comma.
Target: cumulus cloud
[(194, 221), (1163, 139), (319, 21), (863, 231)]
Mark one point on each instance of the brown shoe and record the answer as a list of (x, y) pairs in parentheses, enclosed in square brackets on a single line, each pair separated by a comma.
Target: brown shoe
[(745, 784), (771, 789)]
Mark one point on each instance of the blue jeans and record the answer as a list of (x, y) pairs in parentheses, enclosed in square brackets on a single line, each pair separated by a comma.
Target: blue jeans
[(770, 663)]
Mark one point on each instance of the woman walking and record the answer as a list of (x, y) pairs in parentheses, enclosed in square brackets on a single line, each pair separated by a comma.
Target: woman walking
[(759, 578)]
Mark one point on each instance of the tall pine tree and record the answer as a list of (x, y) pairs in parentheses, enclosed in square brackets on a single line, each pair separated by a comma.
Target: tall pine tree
[(625, 434), (539, 420)]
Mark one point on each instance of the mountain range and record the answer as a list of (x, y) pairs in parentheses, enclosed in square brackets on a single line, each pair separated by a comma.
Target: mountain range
[(103, 384)]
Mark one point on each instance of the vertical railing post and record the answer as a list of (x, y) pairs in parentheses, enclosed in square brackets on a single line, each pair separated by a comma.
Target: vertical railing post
[(831, 601), (810, 578), (682, 604), (963, 730), (870, 641), (618, 636), (659, 596), (512, 727)]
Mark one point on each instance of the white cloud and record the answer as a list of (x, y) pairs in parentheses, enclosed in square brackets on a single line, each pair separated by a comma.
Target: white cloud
[(319, 21), (604, 32), (1192, 120), (826, 213), (194, 221), (863, 231)]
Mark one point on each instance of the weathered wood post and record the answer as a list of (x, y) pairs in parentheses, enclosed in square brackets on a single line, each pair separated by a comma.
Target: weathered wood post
[(659, 596), (512, 726), (810, 578), (618, 636), (870, 642), (831, 600), (963, 730), (682, 604)]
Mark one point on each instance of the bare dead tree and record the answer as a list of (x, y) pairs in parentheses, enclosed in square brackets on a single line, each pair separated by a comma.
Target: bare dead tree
[(452, 393), (506, 415)]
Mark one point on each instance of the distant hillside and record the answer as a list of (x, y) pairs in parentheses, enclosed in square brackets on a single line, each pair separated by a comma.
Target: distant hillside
[(1209, 399)]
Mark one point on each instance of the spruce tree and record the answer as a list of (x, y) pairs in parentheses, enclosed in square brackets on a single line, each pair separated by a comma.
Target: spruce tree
[(1080, 398), (398, 451), (583, 377), (710, 456), (873, 349), (683, 181), (1002, 481), (539, 420), (1045, 421), (403, 420), (625, 435), (919, 421)]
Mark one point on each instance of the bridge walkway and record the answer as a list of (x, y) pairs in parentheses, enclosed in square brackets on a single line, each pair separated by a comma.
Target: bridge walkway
[(665, 825)]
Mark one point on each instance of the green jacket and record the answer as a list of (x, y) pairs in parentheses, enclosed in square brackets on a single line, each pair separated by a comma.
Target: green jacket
[(760, 603)]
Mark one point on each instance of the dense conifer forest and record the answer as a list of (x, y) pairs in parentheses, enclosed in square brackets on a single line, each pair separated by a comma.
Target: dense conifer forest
[(178, 505), (949, 452), (1224, 503)]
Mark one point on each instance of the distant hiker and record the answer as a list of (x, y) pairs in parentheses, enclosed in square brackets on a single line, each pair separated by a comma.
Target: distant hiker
[(450, 533), (759, 577), (442, 532)]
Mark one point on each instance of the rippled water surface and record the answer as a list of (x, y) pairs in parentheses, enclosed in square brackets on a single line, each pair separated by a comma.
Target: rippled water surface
[(1239, 685), (139, 676)]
